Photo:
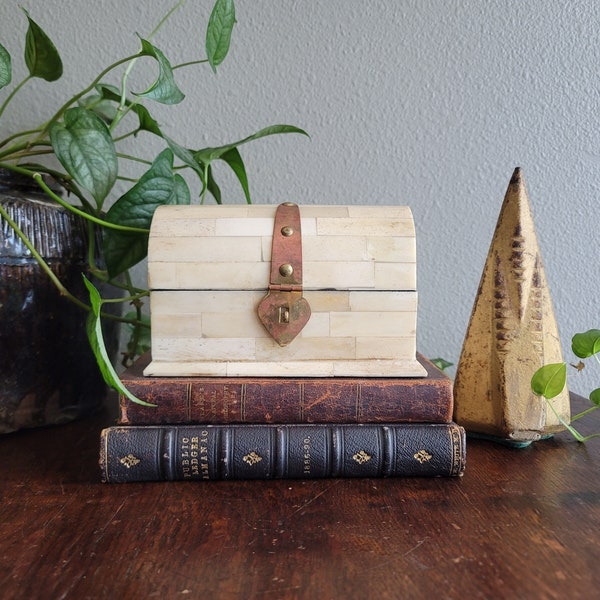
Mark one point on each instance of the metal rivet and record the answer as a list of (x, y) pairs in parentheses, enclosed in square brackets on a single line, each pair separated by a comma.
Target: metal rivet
[(286, 269), (287, 231)]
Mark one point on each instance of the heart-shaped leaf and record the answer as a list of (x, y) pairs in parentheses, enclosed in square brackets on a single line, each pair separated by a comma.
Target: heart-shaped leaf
[(164, 89), (586, 344), (549, 380), (218, 32), (157, 186), (5, 67), (41, 56), (85, 148)]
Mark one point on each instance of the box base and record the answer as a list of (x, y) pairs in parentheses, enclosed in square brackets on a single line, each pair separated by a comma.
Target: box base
[(305, 368)]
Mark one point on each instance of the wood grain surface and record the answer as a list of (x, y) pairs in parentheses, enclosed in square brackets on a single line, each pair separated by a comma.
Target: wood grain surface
[(519, 524)]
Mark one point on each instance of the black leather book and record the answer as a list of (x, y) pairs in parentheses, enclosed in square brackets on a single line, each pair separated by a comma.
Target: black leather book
[(208, 452)]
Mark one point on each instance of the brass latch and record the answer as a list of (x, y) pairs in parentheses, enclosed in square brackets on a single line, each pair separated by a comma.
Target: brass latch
[(284, 311)]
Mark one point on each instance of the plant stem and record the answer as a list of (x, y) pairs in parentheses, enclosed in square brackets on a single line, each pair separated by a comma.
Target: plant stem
[(583, 413), (13, 94), (85, 91), (23, 148), (40, 260), (190, 63), (57, 283), (65, 180), (17, 135), (571, 429), (84, 214), (134, 158), (166, 18), (123, 109)]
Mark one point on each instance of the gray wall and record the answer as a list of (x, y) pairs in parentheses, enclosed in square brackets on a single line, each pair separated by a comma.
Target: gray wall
[(425, 103)]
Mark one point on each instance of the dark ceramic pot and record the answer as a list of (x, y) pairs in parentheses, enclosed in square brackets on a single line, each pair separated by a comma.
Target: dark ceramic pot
[(48, 374)]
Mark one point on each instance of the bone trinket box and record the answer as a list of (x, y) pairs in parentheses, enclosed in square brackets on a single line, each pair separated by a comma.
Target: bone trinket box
[(279, 291)]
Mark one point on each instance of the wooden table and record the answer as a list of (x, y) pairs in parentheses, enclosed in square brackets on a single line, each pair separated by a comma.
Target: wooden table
[(519, 524)]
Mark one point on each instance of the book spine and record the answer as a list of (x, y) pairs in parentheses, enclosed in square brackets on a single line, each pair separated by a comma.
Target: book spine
[(297, 402), (205, 452)]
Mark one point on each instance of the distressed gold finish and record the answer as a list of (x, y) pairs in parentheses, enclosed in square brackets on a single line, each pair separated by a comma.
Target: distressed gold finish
[(512, 332)]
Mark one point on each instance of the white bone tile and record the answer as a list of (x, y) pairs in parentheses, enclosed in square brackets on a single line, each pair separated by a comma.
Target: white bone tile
[(382, 324), (383, 301), (306, 349), (385, 348)]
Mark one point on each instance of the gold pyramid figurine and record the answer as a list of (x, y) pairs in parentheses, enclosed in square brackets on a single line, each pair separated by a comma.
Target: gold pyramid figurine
[(512, 332)]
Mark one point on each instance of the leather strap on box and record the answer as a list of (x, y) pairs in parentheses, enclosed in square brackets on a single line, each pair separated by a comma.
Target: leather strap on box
[(284, 311)]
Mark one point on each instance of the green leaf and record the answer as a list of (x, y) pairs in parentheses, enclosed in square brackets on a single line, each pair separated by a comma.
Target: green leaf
[(96, 339), (207, 155), (200, 160), (595, 397), (549, 380), (212, 187), (218, 32), (586, 344), (185, 155), (105, 109), (5, 67), (146, 122), (123, 250), (41, 56), (157, 186), (85, 148), (164, 89), (441, 363), (235, 162)]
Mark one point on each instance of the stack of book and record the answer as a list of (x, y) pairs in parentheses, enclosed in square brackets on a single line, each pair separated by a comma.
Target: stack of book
[(203, 428)]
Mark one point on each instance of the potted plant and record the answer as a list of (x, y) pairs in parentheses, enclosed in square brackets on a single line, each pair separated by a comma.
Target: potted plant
[(82, 140)]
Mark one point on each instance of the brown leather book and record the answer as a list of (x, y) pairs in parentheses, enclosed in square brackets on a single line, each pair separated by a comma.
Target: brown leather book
[(220, 400)]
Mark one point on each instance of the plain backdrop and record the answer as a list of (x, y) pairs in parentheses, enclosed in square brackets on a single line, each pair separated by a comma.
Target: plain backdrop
[(429, 103)]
